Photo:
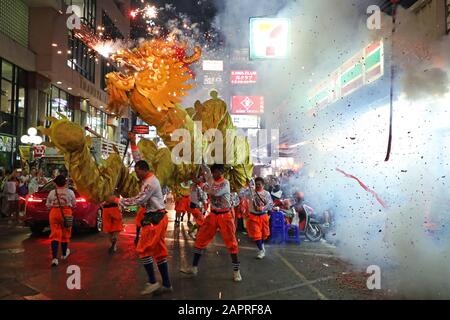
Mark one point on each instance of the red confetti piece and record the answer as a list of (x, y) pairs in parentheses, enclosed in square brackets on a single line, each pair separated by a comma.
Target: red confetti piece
[(380, 201)]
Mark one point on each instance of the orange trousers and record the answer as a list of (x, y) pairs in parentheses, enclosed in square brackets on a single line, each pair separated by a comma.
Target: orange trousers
[(57, 231), (112, 220), (225, 223), (152, 242), (183, 204), (258, 227), (140, 216), (198, 215)]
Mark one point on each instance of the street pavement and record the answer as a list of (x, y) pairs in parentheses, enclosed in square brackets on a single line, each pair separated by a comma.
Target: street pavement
[(308, 271)]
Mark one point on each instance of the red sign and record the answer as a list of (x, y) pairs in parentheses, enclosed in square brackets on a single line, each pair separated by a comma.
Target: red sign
[(141, 130), (39, 151), (243, 77), (248, 105)]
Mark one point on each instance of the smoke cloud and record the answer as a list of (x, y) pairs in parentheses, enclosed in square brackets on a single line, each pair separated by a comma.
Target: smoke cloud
[(408, 240)]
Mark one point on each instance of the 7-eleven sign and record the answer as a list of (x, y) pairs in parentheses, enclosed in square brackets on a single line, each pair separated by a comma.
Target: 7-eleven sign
[(363, 68), (269, 38), (352, 74), (374, 61)]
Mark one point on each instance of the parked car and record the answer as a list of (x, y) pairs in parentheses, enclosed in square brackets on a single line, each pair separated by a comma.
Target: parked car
[(86, 214)]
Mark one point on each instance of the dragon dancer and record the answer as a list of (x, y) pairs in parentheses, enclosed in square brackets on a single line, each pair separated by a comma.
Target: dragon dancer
[(112, 221), (61, 200), (182, 203), (151, 246), (197, 206), (261, 203), (220, 218)]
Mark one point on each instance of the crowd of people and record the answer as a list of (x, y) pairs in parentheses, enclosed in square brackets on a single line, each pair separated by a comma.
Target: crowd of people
[(16, 185)]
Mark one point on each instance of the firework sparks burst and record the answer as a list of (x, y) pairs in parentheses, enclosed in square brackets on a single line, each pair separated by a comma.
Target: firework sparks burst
[(150, 12), (105, 48)]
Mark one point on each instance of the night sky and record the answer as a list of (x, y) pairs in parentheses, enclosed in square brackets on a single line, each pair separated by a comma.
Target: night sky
[(200, 11)]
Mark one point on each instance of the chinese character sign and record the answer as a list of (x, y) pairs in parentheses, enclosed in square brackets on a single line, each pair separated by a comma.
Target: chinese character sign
[(243, 77)]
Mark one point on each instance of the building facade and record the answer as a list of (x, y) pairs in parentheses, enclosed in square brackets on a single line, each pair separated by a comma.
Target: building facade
[(46, 71)]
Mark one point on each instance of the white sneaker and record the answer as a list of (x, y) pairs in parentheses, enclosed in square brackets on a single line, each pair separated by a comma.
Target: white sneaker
[(190, 270), (67, 254), (237, 276), (150, 288), (54, 262), (261, 254), (163, 290)]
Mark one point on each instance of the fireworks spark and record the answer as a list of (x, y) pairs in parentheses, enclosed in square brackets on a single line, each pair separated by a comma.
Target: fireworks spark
[(104, 48), (150, 12)]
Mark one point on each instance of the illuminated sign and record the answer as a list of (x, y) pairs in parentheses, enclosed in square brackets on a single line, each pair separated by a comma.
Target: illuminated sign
[(247, 104), (352, 75), (141, 129), (212, 65), (245, 121), (243, 77), (39, 151), (211, 80), (374, 62), (240, 55), (363, 68), (269, 38)]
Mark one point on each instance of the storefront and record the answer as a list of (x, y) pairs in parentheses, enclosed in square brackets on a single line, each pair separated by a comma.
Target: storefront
[(96, 120), (59, 103), (7, 150), (12, 111)]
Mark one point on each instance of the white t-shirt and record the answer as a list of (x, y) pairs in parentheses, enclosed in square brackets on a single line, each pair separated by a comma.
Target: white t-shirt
[(11, 191)]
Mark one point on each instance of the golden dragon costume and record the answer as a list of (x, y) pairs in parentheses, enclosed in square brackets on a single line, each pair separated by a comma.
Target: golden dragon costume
[(153, 79)]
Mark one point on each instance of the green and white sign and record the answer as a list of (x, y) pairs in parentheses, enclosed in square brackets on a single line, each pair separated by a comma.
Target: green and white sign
[(362, 69)]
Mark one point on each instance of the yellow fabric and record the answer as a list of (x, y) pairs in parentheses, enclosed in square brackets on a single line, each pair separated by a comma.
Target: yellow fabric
[(92, 181)]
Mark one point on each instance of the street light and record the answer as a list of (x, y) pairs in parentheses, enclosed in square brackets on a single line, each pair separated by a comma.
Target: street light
[(33, 139)]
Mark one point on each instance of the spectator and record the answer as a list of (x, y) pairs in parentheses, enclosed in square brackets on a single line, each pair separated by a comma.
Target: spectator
[(12, 197), (276, 198), (2, 177), (55, 173), (42, 180), (22, 180), (4, 202), (33, 185), (299, 206)]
